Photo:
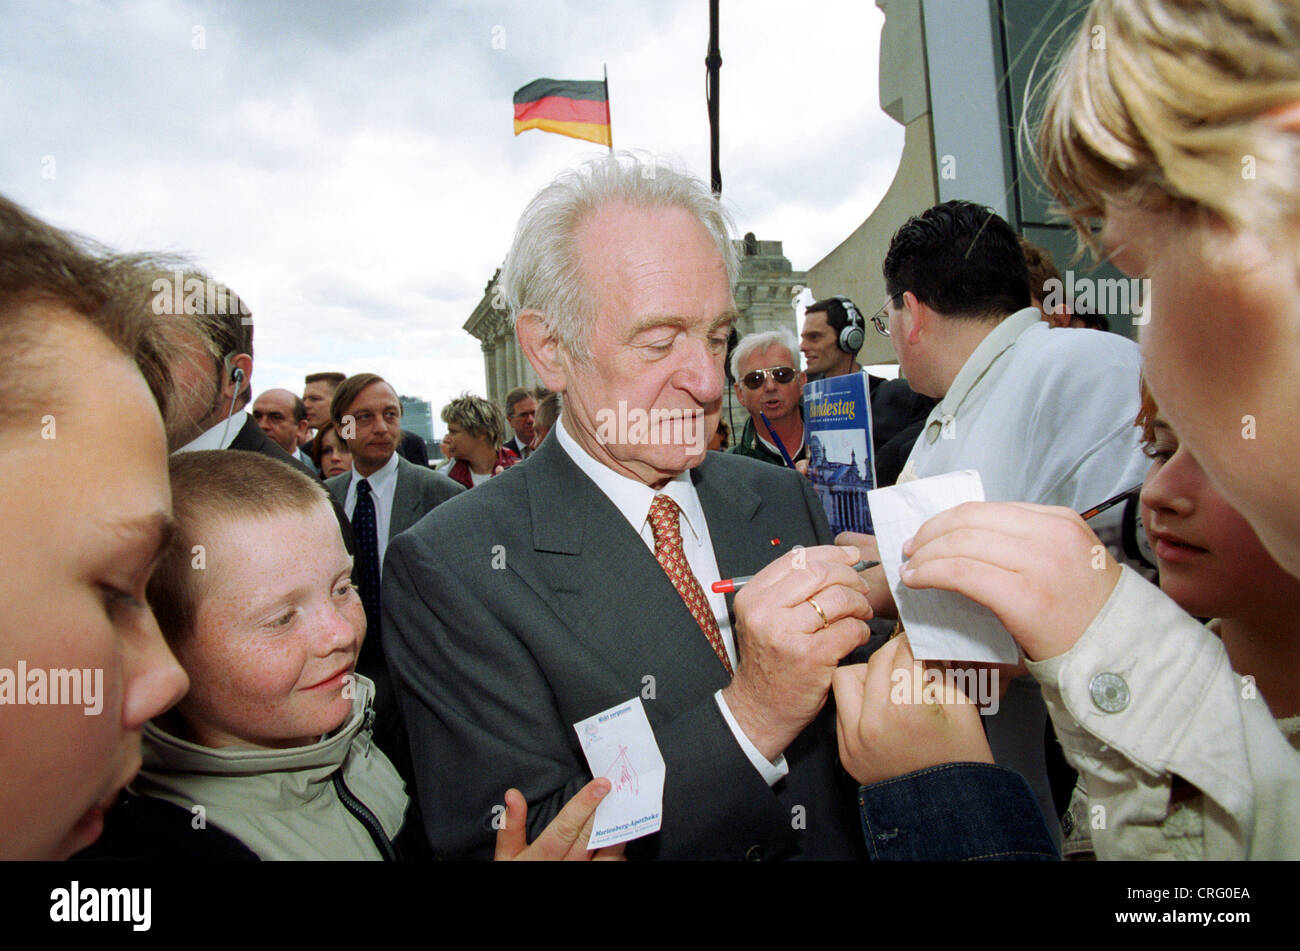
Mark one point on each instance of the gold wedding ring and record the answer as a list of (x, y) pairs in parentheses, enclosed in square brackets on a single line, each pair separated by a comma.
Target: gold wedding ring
[(820, 613)]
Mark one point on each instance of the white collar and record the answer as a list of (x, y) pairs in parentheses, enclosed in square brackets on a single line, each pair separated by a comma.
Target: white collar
[(380, 480), (219, 436)]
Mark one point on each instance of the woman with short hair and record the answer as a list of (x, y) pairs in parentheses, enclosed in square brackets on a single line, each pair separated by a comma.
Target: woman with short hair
[(476, 429)]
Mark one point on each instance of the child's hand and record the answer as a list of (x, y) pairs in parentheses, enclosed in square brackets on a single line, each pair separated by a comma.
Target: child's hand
[(888, 724), (1039, 568)]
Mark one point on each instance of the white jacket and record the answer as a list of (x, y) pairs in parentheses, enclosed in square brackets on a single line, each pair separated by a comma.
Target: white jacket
[(1147, 694)]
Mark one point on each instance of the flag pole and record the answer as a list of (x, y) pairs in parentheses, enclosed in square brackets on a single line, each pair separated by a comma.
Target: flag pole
[(712, 86), (608, 121)]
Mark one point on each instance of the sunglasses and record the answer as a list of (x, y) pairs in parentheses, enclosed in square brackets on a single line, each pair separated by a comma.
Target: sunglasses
[(756, 379)]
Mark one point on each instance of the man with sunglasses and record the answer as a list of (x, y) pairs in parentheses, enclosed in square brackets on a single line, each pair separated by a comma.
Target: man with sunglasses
[(769, 383)]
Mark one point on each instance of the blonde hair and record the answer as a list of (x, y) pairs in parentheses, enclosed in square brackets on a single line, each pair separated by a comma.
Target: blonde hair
[(1163, 103), (478, 417)]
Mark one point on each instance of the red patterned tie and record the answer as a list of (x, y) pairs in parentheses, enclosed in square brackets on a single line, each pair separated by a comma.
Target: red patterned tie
[(668, 550)]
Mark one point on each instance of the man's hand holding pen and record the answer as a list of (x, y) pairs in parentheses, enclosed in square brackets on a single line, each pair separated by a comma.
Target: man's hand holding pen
[(795, 621)]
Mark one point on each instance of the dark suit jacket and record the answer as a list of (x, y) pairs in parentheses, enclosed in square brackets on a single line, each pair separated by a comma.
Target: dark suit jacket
[(250, 438), (898, 414), (529, 604), (517, 447)]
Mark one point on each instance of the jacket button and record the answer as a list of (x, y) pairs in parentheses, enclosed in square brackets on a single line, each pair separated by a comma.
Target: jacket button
[(1109, 692), (754, 853)]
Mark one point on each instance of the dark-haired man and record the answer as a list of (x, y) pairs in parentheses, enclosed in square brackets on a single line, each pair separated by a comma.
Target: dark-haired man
[(1045, 416), (283, 417), (318, 393)]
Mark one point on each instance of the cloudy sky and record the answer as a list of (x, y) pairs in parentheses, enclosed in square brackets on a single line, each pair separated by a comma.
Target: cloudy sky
[(350, 168)]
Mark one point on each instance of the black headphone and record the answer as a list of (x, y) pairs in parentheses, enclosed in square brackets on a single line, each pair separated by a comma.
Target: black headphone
[(853, 335), (236, 373), (236, 377), (733, 340)]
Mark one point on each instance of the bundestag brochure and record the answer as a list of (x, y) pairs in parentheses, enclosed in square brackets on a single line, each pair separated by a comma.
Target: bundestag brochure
[(841, 465)]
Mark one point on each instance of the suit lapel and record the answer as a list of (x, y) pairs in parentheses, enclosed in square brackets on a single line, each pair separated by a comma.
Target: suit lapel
[(605, 584), (730, 508), (245, 439), (747, 535), (406, 499)]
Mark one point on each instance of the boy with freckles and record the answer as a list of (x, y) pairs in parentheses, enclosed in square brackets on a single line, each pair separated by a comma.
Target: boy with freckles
[(269, 755)]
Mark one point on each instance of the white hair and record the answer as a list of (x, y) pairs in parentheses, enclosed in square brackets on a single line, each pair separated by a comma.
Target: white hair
[(542, 272), (754, 343)]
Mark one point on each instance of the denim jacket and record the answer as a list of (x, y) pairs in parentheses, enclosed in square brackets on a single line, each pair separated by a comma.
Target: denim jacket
[(954, 812)]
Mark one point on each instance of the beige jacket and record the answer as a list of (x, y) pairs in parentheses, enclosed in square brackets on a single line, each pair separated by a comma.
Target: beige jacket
[(282, 804), (1147, 694)]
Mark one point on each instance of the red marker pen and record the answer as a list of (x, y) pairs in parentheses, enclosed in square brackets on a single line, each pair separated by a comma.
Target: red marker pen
[(728, 585)]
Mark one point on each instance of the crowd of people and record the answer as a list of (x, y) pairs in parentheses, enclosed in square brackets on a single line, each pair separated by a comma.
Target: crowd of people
[(269, 629)]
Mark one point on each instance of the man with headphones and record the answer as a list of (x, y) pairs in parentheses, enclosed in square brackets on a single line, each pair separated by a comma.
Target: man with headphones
[(833, 333)]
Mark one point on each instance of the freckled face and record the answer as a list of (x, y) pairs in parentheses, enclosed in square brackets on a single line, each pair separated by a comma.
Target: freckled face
[(1222, 357), (277, 633)]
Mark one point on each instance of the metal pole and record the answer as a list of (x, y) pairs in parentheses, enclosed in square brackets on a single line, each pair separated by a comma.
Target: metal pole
[(608, 121), (712, 87)]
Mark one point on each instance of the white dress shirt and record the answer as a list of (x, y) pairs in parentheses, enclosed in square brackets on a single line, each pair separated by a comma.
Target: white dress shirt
[(219, 436), (633, 499), (383, 487)]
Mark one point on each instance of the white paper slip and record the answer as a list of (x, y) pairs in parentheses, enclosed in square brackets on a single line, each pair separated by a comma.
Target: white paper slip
[(941, 625), (620, 746)]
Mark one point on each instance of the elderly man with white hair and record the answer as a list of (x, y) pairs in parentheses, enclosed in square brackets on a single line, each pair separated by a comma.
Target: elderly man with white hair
[(579, 581), (769, 384), (605, 546)]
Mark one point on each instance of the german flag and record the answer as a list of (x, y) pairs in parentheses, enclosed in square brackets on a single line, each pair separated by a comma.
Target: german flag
[(575, 108)]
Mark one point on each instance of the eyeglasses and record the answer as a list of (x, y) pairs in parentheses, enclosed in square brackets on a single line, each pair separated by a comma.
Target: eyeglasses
[(758, 377), (880, 317)]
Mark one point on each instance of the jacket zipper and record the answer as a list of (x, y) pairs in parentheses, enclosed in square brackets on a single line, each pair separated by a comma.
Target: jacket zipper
[(363, 815)]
